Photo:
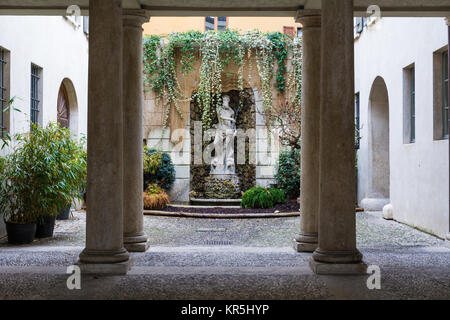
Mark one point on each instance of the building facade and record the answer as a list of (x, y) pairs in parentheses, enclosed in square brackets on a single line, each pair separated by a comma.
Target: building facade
[(401, 107), (44, 69), (165, 25)]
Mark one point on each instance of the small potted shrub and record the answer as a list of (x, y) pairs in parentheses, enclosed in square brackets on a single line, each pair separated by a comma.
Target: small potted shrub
[(44, 172), (155, 198)]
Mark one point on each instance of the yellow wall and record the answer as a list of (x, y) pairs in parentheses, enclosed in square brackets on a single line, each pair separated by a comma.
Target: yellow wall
[(264, 24), (165, 25)]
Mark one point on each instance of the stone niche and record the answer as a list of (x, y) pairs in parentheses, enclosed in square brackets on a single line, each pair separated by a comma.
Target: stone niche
[(200, 183), (177, 140)]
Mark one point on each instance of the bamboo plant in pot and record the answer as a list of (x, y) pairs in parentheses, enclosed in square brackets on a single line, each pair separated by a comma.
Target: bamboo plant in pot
[(45, 171)]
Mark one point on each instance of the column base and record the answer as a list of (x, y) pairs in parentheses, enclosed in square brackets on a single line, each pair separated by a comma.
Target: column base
[(136, 242), (104, 257), (334, 257), (120, 268), (137, 247), (358, 268), (306, 242)]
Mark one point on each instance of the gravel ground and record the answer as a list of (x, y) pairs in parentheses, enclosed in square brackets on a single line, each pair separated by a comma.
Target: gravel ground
[(372, 232), (230, 259)]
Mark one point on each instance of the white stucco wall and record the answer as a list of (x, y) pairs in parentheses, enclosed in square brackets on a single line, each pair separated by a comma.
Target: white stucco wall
[(419, 172), (61, 50)]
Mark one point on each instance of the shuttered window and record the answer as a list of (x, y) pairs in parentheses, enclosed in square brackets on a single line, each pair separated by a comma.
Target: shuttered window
[(3, 93), (445, 94), (35, 94)]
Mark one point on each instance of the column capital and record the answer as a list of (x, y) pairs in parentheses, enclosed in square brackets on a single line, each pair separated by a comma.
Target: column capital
[(135, 17), (309, 18)]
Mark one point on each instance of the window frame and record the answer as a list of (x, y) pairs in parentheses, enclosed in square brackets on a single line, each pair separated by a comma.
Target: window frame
[(357, 120), (412, 104), (216, 23), (445, 94), (35, 95), (3, 90)]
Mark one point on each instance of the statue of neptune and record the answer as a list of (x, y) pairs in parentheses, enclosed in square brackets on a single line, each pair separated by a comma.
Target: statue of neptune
[(223, 161)]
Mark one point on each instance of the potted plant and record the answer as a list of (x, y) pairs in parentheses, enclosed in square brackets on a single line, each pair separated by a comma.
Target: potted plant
[(45, 171), (64, 214)]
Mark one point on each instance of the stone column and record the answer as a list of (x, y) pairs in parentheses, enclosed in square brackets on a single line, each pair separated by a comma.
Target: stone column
[(134, 237), (337, 253), (104, 252), (307, 240)]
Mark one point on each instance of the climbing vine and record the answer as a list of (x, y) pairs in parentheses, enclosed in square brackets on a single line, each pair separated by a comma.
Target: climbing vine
[(217, 50)]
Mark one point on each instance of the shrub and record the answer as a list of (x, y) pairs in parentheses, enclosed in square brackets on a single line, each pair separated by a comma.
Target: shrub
[(257, 197), (288, 175), (277, 195), (158, 168), (45, 171), (155, 198)]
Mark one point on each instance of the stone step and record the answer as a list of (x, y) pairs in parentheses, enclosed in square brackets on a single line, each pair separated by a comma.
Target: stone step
[(215, 202)]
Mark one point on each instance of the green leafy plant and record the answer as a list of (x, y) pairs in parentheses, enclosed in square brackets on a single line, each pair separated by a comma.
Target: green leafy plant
[(216, 50), (288, 174), (158, 168), (5, 136), (257, 197), (277, 195), (45, 171)]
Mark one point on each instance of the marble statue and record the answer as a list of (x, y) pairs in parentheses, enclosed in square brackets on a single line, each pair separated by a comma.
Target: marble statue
[(223, 161)]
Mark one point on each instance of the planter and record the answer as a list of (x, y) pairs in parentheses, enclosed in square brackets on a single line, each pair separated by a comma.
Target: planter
[(64, 214), (45, 227), (20, 233)]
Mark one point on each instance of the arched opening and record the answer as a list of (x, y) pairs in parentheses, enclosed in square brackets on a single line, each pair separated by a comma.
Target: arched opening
[(379, 144), (67, 106)]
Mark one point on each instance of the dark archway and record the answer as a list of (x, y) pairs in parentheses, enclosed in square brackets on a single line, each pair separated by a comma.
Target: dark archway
[(67, 106)]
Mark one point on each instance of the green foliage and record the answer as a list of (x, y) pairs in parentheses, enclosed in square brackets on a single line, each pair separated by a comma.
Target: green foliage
[(280, 52), (5, 136), (158, 168), (257, 197), (45, 171), (288, 175), (277, 195), (215, 50)]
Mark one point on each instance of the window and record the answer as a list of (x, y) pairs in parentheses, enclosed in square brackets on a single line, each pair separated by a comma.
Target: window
[(357, 121), (36, 94), (4, 92), (358, 25), (409, 104), (440, 94), (290, 31), (86, 25), (216, 23), (221, 23), (299, 32), (445, 95), (412, 93)]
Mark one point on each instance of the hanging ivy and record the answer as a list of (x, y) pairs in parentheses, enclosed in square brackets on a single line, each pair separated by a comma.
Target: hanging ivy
[(216, 51)]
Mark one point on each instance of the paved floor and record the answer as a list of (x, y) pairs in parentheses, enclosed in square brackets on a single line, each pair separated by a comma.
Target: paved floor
[(230, 259)]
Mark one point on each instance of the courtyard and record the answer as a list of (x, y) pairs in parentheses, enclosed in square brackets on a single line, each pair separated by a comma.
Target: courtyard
[(191, 258)]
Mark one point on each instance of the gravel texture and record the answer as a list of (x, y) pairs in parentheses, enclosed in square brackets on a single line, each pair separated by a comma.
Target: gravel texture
[(230, 259)]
